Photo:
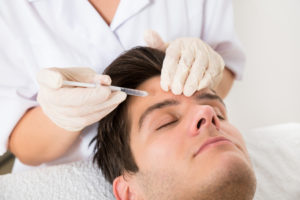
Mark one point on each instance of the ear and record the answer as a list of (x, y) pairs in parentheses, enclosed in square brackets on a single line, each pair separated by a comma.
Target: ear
[(122, 189)]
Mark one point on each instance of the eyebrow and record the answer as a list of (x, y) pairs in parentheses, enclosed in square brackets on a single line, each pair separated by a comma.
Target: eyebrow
[(172, 102), (210, 97), (160, 105)]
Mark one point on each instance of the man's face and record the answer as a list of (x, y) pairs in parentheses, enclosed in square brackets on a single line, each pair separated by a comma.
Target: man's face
[(185, 147)]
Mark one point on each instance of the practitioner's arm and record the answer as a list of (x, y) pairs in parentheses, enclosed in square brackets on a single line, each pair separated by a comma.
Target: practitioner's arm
[(36, 139), (45, 133)]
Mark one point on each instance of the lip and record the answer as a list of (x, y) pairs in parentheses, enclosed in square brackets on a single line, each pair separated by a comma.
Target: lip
[(209, 143)]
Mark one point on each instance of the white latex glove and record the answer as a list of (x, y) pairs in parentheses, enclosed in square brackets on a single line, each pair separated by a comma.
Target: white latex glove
[(189, 65), (74, 108)]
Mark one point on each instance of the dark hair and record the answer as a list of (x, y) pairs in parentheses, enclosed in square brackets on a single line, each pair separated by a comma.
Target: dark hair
[(112, 151)]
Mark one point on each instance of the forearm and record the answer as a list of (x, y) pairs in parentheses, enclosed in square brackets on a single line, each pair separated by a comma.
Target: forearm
[(36, 139), (226, 83)]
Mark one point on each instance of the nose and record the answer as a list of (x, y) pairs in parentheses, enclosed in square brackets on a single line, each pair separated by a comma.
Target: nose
[(204, 117)]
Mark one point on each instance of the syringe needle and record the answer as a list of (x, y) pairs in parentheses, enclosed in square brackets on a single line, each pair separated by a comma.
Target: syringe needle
[(128, 91)]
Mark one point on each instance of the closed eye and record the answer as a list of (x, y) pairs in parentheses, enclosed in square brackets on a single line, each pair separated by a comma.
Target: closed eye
[(166, 124), (220, 117)]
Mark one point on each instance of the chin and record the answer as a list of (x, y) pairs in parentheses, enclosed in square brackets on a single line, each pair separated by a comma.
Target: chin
[(234, 177), (230, 176)]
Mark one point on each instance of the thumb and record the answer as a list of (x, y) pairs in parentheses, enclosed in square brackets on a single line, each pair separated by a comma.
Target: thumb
[(49, 78), (81, 74), (53, 77), (153, 40)]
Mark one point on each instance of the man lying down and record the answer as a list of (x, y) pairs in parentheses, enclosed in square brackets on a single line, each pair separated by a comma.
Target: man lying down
[(171, 147)]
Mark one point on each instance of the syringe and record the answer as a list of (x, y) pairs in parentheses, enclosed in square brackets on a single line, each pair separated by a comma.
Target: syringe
[(128, 91)]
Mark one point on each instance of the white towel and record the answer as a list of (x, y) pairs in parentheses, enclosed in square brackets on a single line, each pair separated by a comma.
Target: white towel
[(274, 150), (79, 180)]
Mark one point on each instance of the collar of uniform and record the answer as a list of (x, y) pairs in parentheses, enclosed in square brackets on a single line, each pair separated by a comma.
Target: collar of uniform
[(127, 9)]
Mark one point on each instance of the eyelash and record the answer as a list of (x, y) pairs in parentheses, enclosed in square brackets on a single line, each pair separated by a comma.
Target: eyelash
[(167, 124), (220, 117), (172, 122)]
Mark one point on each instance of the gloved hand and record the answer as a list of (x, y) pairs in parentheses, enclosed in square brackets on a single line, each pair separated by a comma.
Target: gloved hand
[(189, 65), (74, 108)]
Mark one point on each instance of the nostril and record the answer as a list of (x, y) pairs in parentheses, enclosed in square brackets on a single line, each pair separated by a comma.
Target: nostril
[(213, 121), (201, 121)]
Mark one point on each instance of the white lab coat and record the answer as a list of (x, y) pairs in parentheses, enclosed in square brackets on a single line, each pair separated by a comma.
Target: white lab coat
[(35, 34)]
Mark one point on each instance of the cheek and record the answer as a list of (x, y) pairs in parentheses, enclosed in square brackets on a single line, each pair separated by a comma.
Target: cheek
[(160, 151), (234, 135), (232, 132)]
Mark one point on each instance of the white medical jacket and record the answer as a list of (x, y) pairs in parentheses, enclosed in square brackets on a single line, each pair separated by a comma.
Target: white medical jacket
[(36, 34)]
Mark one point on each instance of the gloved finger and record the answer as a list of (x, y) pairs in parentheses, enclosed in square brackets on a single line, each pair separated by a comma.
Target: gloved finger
[(70, 111), (77, 124), (81, 74), (216, 64), (211, 78), (206, 81), (196, 74), (56, 117), (53, 77), (95, 117), (102, 79), (214, 71), (59, 114), (114, 100), (153, 40), (169, 67), (70, 124), (75, 96), (49, 78), (182, 71)]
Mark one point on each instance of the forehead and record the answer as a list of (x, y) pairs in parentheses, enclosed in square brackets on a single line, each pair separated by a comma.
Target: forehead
[(137, 105)]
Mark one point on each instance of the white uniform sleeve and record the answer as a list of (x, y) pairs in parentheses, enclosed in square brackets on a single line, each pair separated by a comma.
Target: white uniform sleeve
[(17, 77), (219, 32)]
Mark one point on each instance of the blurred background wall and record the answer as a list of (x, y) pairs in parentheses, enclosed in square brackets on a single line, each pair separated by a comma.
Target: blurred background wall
[(270, 90)]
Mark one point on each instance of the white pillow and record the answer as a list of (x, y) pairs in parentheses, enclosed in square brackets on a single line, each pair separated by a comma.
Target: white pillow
[(275, 153)]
